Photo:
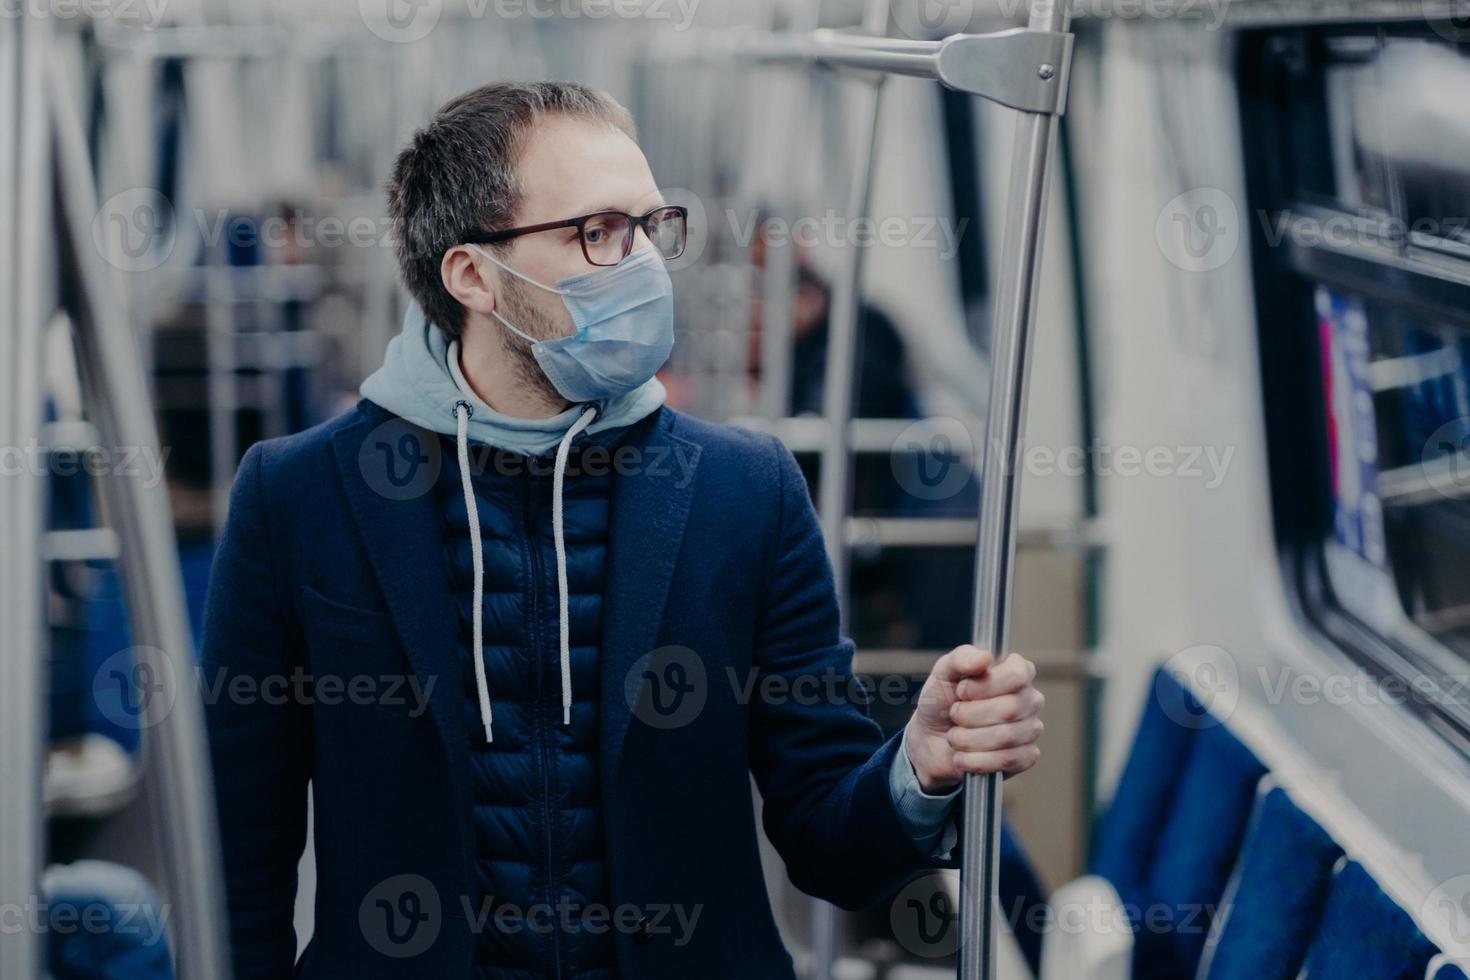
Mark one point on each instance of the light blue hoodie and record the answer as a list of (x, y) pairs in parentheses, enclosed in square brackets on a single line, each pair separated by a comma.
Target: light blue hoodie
[(420, 381)]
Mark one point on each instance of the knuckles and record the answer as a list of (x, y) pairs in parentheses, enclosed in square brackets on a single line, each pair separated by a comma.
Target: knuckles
[(1009, 761)]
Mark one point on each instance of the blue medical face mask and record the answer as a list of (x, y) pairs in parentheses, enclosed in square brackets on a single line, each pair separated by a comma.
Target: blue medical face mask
[(624, 317)]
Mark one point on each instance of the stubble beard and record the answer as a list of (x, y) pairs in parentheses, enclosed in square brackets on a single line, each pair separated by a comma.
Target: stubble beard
[(523, 362)]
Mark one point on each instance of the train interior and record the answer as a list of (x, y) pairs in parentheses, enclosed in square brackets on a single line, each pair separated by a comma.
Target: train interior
[(1242, 550)]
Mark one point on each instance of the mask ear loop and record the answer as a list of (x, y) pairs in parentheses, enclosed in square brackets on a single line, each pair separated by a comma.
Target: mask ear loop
[(518, 275)]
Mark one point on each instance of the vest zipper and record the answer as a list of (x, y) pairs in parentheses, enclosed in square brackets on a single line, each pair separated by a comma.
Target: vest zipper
[(533, 541)]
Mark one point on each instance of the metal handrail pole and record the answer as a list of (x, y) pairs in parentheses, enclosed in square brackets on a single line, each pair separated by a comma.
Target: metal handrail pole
[(839, 50), (779, 278), (23, 53), (834, 484), (175, 757), (995, 545)]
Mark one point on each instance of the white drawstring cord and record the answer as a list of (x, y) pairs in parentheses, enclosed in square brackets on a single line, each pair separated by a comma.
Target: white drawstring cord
[(477, 556), (557, 533), (462, 412)]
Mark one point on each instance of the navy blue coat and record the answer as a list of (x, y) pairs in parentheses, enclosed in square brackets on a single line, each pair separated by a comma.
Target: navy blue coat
[(331, 567)]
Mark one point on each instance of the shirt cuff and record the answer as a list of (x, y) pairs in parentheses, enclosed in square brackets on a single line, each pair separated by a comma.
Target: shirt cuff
[(925, 816)]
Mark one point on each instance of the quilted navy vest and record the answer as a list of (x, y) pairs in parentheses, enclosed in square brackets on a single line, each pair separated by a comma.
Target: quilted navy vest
[(539, 860)]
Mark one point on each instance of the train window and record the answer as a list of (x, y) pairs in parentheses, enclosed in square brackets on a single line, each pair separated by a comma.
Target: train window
[(1397, 397), (1361, 183)]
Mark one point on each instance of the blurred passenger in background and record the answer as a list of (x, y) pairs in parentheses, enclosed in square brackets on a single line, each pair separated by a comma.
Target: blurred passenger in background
[(901, 599), (883, 386)]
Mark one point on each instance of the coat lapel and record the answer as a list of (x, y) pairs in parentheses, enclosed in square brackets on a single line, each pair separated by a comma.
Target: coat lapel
[(649, 508), (388, 471)]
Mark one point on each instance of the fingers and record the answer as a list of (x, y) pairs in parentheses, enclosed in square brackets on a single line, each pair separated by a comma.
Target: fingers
[(994, 738), (1012, 674), (993, 723), (1025, 703), (962, 662), (1006, 761)]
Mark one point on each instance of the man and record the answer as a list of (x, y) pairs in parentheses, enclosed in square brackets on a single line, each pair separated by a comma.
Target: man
[(533, 629)]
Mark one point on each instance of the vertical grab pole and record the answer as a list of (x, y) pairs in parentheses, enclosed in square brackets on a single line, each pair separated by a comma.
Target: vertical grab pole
[(834, 483), (25, 210), (779, 275), (175, 754), (995, 547)]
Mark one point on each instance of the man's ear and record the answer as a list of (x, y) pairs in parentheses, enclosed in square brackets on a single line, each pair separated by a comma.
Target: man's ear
[(464, 274)]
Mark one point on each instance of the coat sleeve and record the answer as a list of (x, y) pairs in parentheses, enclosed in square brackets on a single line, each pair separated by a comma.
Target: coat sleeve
[(257, 738), (821, 764)]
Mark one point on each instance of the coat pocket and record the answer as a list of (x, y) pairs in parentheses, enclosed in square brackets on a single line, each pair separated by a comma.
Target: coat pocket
[(332, 618), (357, 661)]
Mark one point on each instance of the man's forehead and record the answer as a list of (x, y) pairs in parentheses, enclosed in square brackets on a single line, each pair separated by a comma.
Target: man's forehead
[(573, 166)]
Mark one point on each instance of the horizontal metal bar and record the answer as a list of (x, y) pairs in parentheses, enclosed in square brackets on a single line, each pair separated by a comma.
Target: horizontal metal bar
[(1358, 261), (1022, 68), (958, 532), (83, 544), (897, 45), (71, 435), (808, 433), (247, 283), (841, 49), (911, 532), (255, 350), (231, 42), (1431, 482), (1065, 665), (1393, 373)]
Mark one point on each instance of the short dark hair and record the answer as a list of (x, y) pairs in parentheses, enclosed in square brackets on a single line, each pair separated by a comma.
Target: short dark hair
[(459, 172)]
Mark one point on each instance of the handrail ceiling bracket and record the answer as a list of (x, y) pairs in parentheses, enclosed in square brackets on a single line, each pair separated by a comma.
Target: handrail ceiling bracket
[(1025, 68), (1021, 68)]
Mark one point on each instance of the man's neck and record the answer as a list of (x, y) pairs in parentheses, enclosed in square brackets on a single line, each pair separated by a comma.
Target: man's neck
[(493, 377)]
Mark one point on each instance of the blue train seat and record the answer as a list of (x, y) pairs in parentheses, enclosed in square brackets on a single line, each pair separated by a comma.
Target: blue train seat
[(1365, 935), (1173, 834), (1275, 903), (1125, 838)]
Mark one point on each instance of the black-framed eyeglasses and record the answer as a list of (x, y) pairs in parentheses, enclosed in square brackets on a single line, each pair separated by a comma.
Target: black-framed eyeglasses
[(607, 236)]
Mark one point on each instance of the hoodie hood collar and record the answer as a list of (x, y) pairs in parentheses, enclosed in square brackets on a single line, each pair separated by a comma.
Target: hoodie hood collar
[(420, 381)]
